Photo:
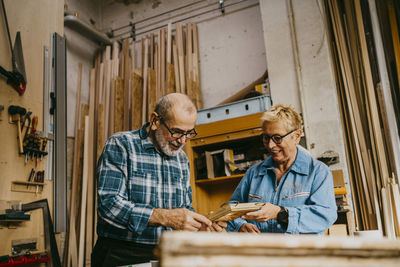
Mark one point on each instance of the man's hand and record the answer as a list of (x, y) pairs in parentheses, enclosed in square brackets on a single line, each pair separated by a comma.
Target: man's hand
[(265, 213), (179, 219), (249, 228), (218, 226)]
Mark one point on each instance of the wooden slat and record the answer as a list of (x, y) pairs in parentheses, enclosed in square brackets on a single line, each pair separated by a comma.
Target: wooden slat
[(170, 68), (196, 68), (106, 89), (145, 80), (72, 245), (126, 80), (169, 42), (176, 67), (151, 51), (133, 55), (142, 56), (395, 200), (100, 113), (162, 61), (81, 255), (381, 151), (91, 167), (137, 98), (181, 57), (189, 50), (119, 102), (158, 67), (387, 213), (395, 37), (100, 130), (152, 91), (170, 78)]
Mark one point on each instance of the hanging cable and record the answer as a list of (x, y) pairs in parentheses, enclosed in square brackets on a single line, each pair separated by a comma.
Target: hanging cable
[(138, 32)]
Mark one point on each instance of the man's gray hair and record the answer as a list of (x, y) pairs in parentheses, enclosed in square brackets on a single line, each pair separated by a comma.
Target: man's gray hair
[(166, 103)]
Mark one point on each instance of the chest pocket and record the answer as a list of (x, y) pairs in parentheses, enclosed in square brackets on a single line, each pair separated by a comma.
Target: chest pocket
[(178, 191), (143, 189), (299, 198)]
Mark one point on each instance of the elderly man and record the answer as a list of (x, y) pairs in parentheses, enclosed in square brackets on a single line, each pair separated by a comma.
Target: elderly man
[(297, 189), (143, 186)]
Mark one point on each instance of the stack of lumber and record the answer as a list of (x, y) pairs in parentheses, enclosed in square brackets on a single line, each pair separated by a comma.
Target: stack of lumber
[(125, 83), (369, 155)]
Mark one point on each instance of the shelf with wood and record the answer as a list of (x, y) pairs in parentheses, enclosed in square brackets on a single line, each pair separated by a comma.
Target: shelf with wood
[(241, 135), (221, 179)]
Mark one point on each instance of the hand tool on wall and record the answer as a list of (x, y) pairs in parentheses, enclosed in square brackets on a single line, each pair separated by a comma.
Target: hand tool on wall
[(27, 117), (16, 112), (16, 78)]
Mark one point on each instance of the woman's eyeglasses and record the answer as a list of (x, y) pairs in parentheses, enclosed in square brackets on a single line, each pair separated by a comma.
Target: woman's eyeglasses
[(276, 137)]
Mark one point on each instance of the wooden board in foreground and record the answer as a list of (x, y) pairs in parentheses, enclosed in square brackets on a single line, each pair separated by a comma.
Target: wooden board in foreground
[(245, 249)]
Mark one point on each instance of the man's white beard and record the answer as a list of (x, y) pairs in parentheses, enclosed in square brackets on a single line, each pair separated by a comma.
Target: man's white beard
[(164, 144)]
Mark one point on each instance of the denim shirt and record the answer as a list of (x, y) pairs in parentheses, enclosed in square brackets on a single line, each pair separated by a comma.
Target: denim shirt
[(306, 191)]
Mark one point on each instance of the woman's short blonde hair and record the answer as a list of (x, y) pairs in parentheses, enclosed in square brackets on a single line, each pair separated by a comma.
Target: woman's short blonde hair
[(286, 114)]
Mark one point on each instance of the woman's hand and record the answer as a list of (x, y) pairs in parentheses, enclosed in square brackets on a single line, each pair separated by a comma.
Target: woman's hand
[(265, 213)]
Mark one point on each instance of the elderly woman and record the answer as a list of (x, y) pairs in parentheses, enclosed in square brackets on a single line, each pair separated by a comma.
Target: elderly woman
[(296, 188)]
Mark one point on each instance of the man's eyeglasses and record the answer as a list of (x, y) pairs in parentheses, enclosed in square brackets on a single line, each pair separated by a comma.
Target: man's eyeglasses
[(177, 133), (276, 137)]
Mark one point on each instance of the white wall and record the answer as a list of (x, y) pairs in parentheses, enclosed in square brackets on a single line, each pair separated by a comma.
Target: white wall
[(79, 50), (231, 46), (232, 54)]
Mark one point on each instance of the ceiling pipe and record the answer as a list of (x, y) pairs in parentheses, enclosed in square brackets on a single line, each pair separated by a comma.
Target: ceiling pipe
[(83, 28)]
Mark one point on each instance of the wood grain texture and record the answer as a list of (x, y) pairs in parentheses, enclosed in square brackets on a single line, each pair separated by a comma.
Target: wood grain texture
[(137, 98), (119, 105), (152, 91), (126, 80)]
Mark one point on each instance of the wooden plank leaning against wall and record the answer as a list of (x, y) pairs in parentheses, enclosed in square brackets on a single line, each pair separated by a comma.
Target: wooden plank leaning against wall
[(375, 189), (34, 37), (122, 97)]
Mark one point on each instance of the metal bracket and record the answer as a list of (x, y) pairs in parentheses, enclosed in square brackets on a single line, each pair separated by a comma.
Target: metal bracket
[(133, 33), (222, 6), (49, 238)]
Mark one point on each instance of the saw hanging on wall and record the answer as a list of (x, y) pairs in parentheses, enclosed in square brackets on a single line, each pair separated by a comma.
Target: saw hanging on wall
[(16, 78)]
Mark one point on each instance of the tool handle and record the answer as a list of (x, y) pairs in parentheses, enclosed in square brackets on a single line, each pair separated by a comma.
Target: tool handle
[(21, 148), (34, 124)]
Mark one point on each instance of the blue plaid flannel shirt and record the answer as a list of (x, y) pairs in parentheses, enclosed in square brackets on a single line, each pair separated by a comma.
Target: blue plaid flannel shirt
[(133, 180)]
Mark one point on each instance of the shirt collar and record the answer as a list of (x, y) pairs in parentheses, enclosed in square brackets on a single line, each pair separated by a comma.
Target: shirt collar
[(144, 135), (300, 165)]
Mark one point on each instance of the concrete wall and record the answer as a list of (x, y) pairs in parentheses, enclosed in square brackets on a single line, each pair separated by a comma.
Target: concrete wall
[(231, 46), (309, 85), (80, 49)]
